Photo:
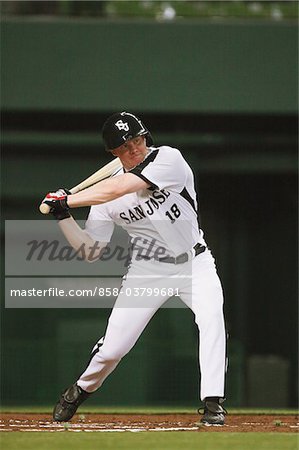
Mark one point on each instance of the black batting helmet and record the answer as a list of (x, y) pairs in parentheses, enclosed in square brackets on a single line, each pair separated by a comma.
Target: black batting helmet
[(120, 127)]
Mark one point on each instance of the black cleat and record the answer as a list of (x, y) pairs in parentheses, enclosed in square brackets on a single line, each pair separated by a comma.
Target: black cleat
[(68, 403), (213, 414)]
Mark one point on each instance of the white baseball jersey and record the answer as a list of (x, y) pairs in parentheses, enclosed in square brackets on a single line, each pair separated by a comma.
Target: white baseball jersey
[(165, 215)]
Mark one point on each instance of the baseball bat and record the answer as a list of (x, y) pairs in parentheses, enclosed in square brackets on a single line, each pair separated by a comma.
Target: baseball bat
[(99, 175)]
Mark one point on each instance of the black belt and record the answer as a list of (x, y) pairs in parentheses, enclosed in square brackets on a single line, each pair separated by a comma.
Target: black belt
[(183, 257)]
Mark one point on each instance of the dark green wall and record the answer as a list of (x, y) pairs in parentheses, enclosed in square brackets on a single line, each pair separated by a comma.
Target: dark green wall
[(182, 66)]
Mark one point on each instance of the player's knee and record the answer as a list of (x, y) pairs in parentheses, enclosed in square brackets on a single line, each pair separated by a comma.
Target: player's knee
[(115, 354), (211, 317)]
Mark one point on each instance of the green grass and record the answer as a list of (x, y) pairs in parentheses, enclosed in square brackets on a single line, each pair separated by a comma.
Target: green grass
[(68, 440), (148, 441), (47, 409)]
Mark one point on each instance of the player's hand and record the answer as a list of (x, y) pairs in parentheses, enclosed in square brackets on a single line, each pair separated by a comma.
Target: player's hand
[(58, 203)]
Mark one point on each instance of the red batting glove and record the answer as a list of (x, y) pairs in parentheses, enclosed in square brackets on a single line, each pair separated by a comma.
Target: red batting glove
[(58, 203)]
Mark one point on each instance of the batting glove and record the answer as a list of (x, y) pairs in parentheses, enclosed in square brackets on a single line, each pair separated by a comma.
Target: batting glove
[(58, 203)]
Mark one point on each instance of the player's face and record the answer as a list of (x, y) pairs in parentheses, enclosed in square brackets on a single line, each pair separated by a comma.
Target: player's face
[(132, 152)]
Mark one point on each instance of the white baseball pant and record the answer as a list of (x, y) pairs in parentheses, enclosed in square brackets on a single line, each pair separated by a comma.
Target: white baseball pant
[(199, 288)]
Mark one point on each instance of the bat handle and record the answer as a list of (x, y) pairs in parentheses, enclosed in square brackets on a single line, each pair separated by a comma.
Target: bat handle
[(44, 208)]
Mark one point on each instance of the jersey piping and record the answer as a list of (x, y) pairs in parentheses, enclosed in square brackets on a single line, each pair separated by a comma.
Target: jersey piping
[(138, 169), (185, 194)]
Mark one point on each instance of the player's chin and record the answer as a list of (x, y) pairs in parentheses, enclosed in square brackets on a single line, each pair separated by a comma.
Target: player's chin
[(137, 159)]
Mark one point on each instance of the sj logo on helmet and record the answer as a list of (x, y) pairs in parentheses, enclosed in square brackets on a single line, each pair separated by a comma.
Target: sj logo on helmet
[(122, 125)]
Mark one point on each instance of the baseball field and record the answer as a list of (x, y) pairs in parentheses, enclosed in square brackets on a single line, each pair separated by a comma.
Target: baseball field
[(171, 429)]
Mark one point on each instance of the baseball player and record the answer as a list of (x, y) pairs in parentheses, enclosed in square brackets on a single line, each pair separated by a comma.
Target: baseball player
[(153, 198)]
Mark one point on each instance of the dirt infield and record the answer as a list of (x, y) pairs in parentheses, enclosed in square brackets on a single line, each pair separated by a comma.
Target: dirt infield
[(145, 422)]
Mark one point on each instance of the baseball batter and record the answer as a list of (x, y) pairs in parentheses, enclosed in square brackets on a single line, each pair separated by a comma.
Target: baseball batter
[(153, 198)]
